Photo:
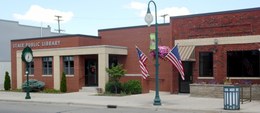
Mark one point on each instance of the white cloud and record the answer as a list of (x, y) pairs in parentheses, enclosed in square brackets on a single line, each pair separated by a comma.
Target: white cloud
[(40, 14), (137, 5), (171, 11)]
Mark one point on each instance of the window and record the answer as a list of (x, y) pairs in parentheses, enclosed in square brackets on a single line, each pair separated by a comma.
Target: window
[(31, 68), (47, 65), (68, 62), (113, 60), (206, 64), (243, 63)]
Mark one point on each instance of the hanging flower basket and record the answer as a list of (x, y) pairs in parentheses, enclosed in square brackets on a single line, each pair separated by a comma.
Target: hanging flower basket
[(162, 52)]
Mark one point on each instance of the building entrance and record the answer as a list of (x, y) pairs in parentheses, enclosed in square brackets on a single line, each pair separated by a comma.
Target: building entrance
[(91, 72), (184, 85)]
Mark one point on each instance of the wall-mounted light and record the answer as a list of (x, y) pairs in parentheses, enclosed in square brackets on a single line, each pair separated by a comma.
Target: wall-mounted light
[(215, 45)]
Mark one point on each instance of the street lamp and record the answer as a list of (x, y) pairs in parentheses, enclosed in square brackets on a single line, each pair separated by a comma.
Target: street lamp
[(149, 20)]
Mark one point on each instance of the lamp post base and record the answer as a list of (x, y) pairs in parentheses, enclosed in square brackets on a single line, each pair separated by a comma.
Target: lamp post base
[(157, 102), (27, 97)]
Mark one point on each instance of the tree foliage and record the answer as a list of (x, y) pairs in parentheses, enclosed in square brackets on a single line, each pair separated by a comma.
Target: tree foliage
[(63, 84), (116, 72), (7, 82)]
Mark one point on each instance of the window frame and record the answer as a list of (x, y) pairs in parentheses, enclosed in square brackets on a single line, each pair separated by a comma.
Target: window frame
[(68, 65), (48, 62), (203, 72)]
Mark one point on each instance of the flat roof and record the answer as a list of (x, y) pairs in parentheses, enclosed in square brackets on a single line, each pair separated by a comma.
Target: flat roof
[(217, 13), (58, 36), (130, 27)]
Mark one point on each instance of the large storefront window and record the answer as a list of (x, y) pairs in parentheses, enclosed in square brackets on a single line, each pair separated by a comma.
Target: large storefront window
[(68, 62), (47, 65), (206, 64), (31, 68), (243, 63)]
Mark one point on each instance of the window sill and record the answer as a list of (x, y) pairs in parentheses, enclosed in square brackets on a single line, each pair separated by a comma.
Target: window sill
[(69, 75), (47, 75), (29, 75), (244, 78), (205, 77)]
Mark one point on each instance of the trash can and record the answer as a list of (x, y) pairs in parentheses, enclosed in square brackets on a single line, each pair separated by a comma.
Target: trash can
[(231, 97)]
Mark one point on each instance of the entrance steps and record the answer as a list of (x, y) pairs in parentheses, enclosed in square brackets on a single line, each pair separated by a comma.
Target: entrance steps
[(89, 89)]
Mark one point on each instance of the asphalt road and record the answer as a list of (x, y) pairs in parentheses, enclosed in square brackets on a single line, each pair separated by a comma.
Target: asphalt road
[(26, 107)]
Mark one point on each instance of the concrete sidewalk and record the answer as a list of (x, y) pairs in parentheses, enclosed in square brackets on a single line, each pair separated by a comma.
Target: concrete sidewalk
[(180, 102)]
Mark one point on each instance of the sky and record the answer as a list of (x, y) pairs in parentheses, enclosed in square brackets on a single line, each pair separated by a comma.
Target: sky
[(87, 16)]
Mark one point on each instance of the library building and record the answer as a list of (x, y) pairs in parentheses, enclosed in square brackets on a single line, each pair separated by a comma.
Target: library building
[(214, 47)]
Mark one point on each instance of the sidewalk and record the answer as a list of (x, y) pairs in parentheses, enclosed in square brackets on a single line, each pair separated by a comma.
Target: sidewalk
[(181, 102)]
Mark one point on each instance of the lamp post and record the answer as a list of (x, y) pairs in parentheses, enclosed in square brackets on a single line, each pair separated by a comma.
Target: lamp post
[(27, 82), (149, 20), (27, 57)]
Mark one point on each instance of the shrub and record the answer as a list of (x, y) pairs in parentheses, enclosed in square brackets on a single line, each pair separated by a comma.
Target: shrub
[(115, 72), (113, 87), (7, 82), (63, 84), (132, 87), (34, 85)]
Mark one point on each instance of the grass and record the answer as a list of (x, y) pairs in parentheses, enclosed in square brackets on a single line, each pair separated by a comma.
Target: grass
[(112, 94)]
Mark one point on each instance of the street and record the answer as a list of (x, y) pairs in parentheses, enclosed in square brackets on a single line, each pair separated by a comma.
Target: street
[(27, 107)]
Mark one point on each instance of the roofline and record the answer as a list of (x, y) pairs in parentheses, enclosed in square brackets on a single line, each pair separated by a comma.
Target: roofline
[(130, 27), (57, 36), (217, 13)]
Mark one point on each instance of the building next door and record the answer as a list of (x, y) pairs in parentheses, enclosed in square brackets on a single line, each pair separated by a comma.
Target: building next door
[(91, 72), (184, 85)]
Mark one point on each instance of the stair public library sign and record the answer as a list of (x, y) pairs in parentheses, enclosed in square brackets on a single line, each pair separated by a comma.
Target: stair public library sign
[(37, 44)]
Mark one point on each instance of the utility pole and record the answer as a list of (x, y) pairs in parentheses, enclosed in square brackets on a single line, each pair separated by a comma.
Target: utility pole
[(164, 17), (58, 19)]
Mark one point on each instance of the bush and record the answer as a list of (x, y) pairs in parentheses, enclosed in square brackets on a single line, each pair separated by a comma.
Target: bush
[(63, 84), (7, 82), (115, 72), (113, 87), (34, 85), (132, 87)]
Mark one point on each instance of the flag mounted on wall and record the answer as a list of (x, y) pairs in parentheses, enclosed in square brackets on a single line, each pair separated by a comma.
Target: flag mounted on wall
[(142, 58), (174, 57)]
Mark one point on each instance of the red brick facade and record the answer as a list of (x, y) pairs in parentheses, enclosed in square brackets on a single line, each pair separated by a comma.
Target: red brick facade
[(221, 24), (212, 25)]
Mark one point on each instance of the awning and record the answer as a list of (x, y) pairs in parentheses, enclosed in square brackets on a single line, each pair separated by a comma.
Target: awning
[(187, 53)]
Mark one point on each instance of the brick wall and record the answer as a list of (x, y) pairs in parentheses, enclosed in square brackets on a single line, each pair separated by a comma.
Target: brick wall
[(217, 25), (139, 36), (221, 24)]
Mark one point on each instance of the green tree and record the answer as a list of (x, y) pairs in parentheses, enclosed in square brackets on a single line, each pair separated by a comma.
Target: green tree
[(115, 73), (7, 82), (63, 84)]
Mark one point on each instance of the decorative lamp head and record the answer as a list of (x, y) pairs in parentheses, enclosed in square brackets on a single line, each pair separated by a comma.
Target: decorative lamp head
[(148, 17)]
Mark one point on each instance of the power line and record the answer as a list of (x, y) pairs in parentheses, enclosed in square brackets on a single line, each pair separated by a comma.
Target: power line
[(164, 15), (58, 19)]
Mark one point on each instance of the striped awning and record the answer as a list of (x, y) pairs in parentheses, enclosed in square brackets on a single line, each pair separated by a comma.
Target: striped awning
[(187, 53)]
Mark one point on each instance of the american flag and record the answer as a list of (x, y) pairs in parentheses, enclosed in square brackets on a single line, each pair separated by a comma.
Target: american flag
[(174, 57), (142, 58)]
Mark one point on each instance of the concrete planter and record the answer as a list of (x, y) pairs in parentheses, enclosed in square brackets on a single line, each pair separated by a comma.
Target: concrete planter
[(216, 90)]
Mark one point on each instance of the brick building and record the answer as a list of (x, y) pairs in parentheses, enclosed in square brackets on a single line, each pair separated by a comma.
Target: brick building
[(213, 47)]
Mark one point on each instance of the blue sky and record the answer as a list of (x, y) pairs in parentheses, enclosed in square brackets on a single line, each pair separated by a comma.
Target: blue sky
[(87, 16)]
